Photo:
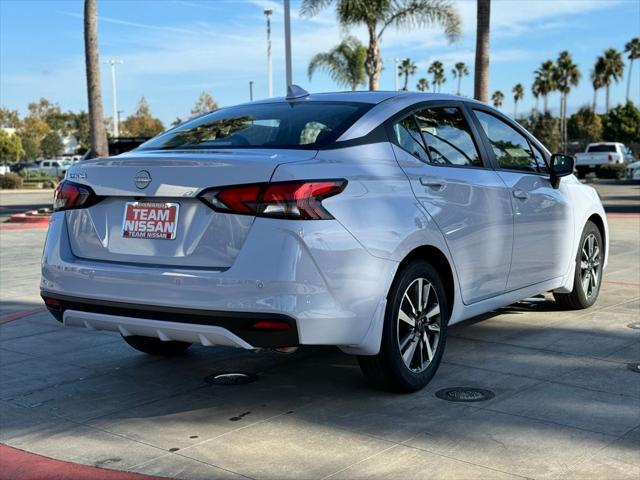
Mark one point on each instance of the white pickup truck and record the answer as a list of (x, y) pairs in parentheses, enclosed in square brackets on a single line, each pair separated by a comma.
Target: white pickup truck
[(598, 154), (53, 167)]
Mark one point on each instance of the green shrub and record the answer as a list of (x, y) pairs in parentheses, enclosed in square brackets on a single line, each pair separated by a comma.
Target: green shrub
[(615, 171), (11, 181)]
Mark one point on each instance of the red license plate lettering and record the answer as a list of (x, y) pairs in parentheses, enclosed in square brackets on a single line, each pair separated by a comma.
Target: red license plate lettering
[(154, 220)]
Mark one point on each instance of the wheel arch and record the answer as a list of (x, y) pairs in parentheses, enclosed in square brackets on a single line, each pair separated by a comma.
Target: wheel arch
[(440, 262), (599, 222)]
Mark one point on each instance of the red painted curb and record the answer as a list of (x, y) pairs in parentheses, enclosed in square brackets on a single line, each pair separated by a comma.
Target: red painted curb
[(623, 215), (17, 464), (23, 226), (32, 216), (10, 317)]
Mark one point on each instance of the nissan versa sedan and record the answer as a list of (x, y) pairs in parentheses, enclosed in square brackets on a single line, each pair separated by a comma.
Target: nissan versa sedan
[(370, 221)]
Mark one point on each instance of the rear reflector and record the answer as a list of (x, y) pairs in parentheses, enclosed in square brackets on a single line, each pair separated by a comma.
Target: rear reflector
[(51, 302), (300, 200), (270, 325)]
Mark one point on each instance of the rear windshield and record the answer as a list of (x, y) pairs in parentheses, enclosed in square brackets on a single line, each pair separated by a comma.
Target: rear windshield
[(309, 125), (602, 148)]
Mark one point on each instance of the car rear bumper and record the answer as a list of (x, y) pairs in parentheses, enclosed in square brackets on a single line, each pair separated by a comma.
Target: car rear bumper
[(312, 273)]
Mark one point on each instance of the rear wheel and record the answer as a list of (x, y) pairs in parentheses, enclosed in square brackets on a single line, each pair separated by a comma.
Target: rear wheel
[(155, 346), (588, 274), (414, 331)]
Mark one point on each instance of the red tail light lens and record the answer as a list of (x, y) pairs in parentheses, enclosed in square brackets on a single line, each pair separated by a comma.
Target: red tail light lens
[(70, 195), (300, 200)]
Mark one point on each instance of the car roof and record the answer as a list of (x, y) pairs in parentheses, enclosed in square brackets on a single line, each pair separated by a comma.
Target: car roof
[(373, 97)]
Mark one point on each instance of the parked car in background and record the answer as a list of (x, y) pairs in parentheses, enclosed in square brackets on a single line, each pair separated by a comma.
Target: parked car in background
[(16, 167), (599, 154), (633, 171), (53, 167), (366, 220)]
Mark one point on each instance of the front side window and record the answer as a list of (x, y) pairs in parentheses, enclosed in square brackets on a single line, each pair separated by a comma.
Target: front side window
[(511, 148), (309, 125), (448, 137)]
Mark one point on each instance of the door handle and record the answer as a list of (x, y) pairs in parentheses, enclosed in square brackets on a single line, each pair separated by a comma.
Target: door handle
[(432, 182), (521, 194)]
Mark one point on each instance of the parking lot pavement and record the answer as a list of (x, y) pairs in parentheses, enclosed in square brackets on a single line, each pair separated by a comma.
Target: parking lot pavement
[(566, 404)]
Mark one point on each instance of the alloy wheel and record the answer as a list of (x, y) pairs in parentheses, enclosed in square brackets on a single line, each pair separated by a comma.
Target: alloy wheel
[(590, 265), (418, 325)]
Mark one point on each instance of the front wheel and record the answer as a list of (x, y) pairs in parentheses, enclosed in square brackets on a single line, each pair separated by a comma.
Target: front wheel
[(414, 332), (155, 346), (588, 272)]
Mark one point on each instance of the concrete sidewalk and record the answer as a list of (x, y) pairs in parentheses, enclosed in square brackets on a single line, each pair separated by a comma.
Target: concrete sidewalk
[(566, 404)]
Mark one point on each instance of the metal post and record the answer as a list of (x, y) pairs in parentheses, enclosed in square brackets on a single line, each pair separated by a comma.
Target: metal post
[(287, 41), (251, 90), (268, 12), (114, 98)]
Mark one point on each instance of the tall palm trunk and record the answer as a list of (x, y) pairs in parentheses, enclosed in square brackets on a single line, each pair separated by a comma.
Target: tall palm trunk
[(546, 102), (629, 81), (606, 101), (459, 80), (97, 130), (481, 73), (595, 98), (515, 109), (406, 81), (373, 63)]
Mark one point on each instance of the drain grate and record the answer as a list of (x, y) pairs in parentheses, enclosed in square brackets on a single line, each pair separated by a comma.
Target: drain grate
[(634, 325), (231, 378), (465, 394), (634, 367)]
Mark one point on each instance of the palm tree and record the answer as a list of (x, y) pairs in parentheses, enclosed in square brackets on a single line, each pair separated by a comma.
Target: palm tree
[(437, 70), (566, 75), (612, 69), (535, 91), (97, 130), (632, 48), (378, 15), (518, 94), (459, 70), (597, 83), (481, 72), (344, 63), (544, 77), (423, 84), (407, 68), (497, 98)]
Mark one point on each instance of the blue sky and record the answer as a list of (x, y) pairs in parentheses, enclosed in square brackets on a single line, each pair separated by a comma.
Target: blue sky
[(174, 49)]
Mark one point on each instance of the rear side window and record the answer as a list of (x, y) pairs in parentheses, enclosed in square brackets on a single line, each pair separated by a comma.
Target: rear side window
[(511, 149), (601, 148), (408, 137), (448, 137), (307, 125)]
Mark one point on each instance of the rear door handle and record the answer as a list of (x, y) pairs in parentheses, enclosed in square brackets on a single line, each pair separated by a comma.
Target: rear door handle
[(521, 194), (432, 182)]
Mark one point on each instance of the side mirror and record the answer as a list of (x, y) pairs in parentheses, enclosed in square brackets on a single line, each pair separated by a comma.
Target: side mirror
[(561, 166)]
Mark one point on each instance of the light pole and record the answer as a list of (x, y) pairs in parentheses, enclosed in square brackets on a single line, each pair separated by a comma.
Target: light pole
[(112, 63), (251, 90), (396, 61), (287, 41), (267, 13)]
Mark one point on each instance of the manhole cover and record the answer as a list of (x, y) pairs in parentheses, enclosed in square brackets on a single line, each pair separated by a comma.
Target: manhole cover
[(634, 367), (634, 325), (230, 378), (464, 394)]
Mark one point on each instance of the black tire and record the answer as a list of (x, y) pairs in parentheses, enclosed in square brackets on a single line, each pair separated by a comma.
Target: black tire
[(388, 370), (579, 299), (155, 346)]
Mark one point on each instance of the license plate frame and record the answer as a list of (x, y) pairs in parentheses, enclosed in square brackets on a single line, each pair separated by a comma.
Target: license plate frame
[(160, 229)]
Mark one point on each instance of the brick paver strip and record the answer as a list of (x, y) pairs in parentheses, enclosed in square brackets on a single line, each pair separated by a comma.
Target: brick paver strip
[(18, 464), (10, 317)]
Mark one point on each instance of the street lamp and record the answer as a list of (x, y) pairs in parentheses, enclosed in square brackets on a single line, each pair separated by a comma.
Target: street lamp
[(287, 41), (267, 13), (396, 61), (112, 62)]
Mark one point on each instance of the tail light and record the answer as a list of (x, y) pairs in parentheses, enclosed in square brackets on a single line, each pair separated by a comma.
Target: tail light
[(70, 195), (301, 200)]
